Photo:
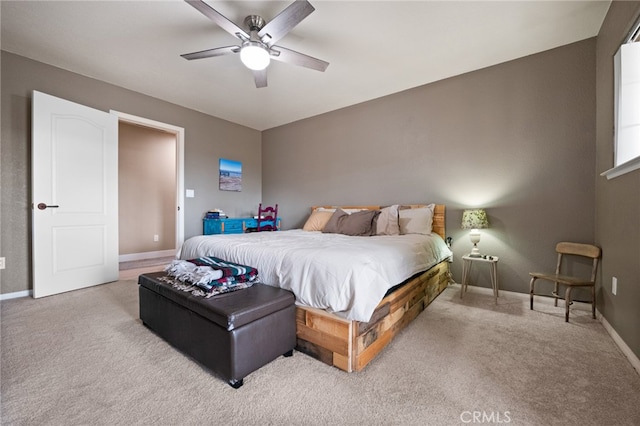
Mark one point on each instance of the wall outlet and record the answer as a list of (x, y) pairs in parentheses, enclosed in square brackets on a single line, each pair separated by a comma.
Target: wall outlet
[(1, 262), (156, 238), (614, 286)]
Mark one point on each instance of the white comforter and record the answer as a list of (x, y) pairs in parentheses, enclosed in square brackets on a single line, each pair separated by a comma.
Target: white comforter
[(345, 275)]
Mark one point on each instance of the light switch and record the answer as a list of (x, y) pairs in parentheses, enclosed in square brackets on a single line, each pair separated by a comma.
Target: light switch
[(191, 193)]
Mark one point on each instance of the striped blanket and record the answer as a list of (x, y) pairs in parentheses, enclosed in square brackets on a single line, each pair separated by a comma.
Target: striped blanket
[(211, 275)]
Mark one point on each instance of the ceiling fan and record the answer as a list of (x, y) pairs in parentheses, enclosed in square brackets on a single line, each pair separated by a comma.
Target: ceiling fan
[(258, 40)]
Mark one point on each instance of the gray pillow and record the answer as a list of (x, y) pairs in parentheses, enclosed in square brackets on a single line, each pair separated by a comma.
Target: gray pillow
[(331, 227), (360, 223)]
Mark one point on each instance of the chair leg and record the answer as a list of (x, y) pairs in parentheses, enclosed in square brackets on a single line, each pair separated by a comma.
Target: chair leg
[(555, 293), (567, 301), (532, 284), (593, 302)]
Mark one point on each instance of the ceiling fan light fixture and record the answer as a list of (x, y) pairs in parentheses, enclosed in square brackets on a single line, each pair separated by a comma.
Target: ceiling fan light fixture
[(254, 56), (258, 38)]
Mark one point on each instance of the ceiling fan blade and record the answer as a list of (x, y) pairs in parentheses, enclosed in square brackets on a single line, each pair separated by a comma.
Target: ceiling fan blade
[(218, 18), (292, 57), (279, 26), (210, 53), (260, 77)]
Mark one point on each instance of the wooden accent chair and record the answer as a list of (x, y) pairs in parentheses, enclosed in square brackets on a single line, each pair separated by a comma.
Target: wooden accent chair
[(570, 249), (267, 218)]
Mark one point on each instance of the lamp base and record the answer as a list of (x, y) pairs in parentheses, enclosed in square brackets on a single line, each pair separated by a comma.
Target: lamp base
[(475, 252)]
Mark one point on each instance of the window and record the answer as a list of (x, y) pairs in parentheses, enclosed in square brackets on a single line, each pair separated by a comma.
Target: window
[(627, 106)]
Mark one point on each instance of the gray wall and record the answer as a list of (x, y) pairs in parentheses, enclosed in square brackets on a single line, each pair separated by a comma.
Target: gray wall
[(517, 139), (207, 139), (617, 200)]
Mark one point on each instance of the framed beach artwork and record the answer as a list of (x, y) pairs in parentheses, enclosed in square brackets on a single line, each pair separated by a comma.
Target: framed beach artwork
[(230, 175)]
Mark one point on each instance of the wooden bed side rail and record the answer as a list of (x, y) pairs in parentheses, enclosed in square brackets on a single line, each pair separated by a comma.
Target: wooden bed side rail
[(438, 225), (351, 345), (404, 306)]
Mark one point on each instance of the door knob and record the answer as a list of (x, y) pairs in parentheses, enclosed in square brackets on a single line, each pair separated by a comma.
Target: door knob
[(43, 206)]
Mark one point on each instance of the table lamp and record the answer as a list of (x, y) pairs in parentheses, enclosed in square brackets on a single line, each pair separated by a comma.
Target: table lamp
[(475, 219)]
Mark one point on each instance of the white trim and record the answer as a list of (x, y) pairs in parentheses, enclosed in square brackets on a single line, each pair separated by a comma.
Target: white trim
[(627, 167), (626, 153), (634, 34), (146, 255), (626, 350), (17, 294), (179, 132)]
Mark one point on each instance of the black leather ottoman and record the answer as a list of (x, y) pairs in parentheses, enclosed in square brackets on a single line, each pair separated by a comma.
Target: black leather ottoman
[(232, 334)]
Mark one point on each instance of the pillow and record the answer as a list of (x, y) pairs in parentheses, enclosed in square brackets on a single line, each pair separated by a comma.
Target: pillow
[(355, 224), (416, 221), (359, 223), (331, 209), (317, 220), (388, 221), (332, 225)]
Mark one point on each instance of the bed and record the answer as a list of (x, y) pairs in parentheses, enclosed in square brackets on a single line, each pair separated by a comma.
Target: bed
[(346, 312)]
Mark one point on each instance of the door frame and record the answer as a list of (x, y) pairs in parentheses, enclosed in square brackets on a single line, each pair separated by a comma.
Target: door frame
[(179, 133)]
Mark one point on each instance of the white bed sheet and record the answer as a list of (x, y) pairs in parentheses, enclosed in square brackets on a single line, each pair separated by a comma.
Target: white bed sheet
[(342, 274)]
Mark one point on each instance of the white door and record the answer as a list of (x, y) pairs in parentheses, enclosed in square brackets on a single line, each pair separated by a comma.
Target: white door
[(75, 196)]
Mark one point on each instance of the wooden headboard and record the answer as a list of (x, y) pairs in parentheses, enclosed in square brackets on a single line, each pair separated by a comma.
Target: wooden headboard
[(439, 220), (438, 225)]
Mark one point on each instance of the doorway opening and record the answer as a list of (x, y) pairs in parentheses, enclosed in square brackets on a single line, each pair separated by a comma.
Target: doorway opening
[(151, 188)]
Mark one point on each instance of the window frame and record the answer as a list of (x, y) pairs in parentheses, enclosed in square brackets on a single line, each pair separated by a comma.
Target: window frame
[(633, 163)]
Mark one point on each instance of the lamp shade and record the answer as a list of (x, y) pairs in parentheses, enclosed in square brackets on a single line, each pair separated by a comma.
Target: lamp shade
[(475, 219), (254, 56)]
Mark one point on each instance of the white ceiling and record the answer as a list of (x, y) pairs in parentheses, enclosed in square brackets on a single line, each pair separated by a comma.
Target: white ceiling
[(374, 48)]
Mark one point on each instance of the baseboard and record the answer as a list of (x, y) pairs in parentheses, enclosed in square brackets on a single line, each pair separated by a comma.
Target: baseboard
[(146, 255), (626, 350), (15, 295), (122, 258)]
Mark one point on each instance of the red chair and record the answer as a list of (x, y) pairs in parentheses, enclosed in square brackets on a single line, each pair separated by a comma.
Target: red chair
[(267, 218)]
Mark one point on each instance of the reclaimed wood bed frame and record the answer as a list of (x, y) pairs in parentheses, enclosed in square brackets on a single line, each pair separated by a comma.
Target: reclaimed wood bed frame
[(350, 345)]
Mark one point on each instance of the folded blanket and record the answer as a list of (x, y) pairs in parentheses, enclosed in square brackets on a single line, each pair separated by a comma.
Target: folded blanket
[(212, 275)]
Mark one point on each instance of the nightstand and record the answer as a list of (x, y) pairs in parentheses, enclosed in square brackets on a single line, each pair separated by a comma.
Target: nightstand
[(237, 225), (492, 261)]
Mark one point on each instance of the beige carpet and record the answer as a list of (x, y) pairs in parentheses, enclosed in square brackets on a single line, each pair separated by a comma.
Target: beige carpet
[(84, 358), (143, 263), (132, 269)]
